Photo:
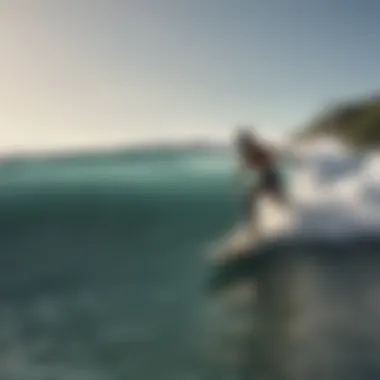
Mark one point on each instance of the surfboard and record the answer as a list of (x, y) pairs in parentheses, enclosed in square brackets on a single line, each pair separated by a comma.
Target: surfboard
[(272, 220)]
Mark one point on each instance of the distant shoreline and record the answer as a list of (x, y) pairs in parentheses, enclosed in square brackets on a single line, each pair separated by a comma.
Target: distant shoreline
[(88, 152)]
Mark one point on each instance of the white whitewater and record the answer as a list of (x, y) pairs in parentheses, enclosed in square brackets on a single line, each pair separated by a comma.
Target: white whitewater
[(334, 194)]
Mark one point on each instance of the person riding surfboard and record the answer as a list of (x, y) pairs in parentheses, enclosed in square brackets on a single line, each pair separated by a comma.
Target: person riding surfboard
[(255, 156), (262, 161)]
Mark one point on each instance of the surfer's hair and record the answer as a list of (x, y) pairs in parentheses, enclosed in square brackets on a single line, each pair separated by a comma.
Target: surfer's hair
[(244, 136)]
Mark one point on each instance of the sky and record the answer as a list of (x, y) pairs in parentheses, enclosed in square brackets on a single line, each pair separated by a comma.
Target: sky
[(85, 73)]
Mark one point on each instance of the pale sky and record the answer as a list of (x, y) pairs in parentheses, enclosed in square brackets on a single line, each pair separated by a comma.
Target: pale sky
[(90, 72)]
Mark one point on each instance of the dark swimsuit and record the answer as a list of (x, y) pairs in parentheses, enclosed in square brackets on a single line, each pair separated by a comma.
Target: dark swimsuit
[(269, 181)]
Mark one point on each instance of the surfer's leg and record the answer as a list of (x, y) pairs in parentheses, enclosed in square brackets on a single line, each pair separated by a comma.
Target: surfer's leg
[(250, 206), (252, 210), (280, 193), (280, 198), (275, 188)]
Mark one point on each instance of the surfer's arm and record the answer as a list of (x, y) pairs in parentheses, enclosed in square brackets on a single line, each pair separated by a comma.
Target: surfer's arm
[(285, 155), (291, 158)]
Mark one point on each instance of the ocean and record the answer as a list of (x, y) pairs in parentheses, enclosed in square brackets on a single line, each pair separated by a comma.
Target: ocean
[(101, 267), (103, 272)]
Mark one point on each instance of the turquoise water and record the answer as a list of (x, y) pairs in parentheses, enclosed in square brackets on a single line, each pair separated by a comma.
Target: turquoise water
[(102, 276), (101, 265)]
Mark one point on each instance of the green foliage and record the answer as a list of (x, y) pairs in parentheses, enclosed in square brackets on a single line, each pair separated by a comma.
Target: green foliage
[(358, 124)]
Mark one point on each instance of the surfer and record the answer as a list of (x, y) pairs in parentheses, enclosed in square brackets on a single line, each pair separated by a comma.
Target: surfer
[(254, 156)]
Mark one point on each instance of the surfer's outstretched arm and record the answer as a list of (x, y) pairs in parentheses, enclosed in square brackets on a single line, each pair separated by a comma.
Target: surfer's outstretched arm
[(286, 155)]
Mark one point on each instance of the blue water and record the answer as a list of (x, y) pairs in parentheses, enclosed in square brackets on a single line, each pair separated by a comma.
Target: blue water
[(101, 265), (102, 276)]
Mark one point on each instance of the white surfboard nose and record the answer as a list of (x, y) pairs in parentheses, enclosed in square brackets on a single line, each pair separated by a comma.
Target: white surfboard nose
[(270, 220)]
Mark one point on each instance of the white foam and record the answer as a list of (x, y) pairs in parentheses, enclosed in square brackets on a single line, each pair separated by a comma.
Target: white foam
[(336, 193)]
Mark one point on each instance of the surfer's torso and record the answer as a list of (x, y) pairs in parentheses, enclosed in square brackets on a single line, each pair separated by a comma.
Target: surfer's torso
[(256, 158), (264, 164)]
